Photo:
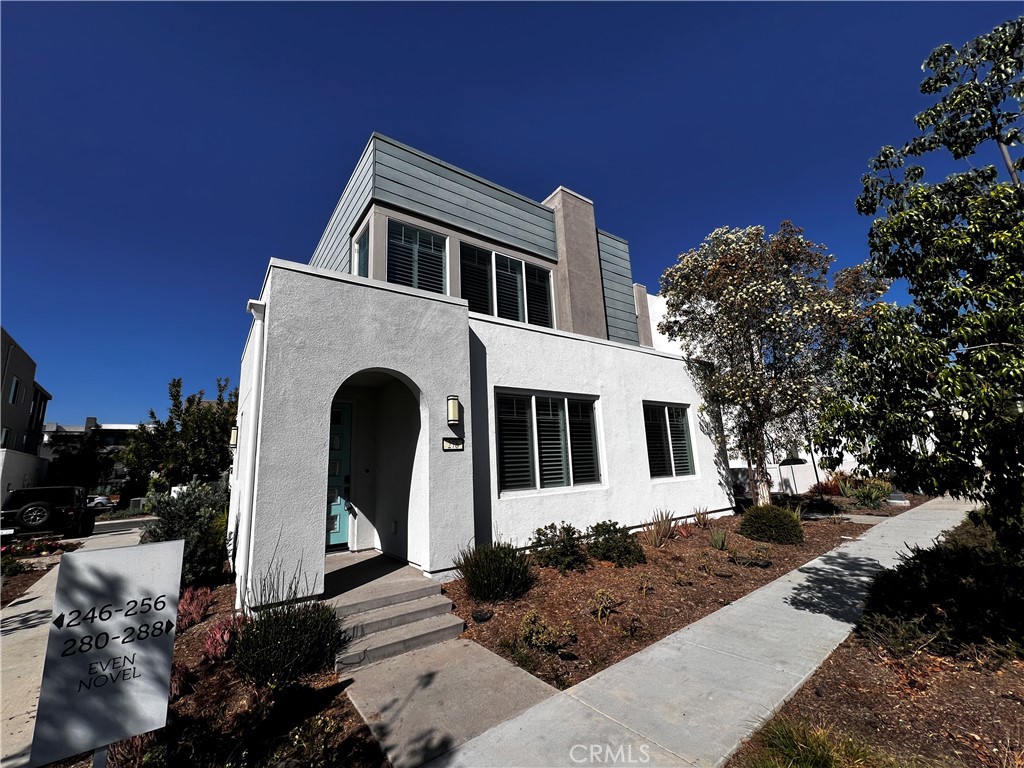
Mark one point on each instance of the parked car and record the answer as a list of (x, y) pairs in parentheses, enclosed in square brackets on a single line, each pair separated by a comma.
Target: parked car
[(61, 509), (99, 502)]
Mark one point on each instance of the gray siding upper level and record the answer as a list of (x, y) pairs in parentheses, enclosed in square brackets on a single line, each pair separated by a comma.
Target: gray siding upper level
[(402, 177), (617, 280)]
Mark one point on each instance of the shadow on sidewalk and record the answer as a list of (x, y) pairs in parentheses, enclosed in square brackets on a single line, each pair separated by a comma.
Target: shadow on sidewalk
[(26, 620), (836, 585)]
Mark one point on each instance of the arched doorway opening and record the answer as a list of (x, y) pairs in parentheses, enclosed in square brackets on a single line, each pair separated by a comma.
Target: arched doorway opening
[(376, 474)]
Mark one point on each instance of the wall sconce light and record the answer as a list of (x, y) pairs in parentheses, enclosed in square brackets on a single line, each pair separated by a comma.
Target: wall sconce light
[(453, 410), (233, 440)]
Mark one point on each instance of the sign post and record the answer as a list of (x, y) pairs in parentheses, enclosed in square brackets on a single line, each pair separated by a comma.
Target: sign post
[(108, 657)]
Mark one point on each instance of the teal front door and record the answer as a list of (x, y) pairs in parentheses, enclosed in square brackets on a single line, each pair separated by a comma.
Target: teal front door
[(339, 474)]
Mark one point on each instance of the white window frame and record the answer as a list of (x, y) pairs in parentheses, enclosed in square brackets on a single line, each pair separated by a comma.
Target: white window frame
[(357, 252), (592, 400), (668, 436), (446, 267), (522, 275)]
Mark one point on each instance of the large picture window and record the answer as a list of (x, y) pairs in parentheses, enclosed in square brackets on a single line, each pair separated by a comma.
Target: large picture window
[(499, 285), (545, 442), (416, 258), (669, 453)]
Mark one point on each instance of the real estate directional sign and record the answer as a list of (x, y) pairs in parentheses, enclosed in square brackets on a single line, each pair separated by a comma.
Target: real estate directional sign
[(108, 657)]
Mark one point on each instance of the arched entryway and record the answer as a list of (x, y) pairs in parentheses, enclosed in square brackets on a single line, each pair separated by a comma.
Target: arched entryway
[(376, 477)]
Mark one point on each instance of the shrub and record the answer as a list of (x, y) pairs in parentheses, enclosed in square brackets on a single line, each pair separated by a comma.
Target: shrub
[(283, 642), (872, 493), (219, 643), (602, 604), (798, 744), (537, 633), (660, 529), (199, 516), (827, 487), (11, 566), (772, 524), (192, 606), (961, 595), (701, 517), (608, 541), (560, 547), (495, 571)]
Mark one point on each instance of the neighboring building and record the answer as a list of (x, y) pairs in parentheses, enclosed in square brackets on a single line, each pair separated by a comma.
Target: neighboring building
[(456, 364), (112, 437), (22, 413)]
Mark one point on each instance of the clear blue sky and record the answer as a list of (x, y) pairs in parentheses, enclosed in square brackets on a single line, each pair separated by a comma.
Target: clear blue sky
[(155, 156)]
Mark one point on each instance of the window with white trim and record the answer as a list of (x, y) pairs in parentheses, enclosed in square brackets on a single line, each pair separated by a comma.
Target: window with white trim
[(669, 452), (545, 442), (416, 258), (494, 284), (361, 253)]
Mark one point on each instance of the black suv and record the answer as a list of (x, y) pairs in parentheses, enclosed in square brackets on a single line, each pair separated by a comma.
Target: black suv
[(61, 509)]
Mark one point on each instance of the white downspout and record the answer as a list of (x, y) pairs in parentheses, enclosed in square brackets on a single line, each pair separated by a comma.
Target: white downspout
[(258, 309)]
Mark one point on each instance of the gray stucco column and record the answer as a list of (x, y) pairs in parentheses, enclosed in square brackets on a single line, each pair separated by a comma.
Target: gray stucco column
[(258, 310)]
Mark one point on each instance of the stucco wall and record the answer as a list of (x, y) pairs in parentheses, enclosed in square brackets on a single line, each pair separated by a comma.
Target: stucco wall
[(622, 378), (321, 328)]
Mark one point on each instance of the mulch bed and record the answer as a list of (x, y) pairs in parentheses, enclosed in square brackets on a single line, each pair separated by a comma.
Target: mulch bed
[(969, 713), (682, 582), (227, 709), (14, 587)]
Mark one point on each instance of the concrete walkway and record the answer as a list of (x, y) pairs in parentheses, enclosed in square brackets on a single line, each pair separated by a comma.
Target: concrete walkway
[(24, 627), (692, 697)]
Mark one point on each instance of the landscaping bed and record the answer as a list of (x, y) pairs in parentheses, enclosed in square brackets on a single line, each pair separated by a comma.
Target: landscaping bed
[(682, 581), (225, 719), (26, 561)]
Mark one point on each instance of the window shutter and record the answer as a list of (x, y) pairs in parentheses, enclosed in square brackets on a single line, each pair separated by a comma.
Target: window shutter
[(508, 281), (551, 446), (415, 258), (657, 441), (476, 278), (583, 439), (515, 454), (538, 296), (679, 433)]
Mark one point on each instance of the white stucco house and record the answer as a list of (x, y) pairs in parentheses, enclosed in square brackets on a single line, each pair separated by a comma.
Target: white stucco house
[(455, 364)]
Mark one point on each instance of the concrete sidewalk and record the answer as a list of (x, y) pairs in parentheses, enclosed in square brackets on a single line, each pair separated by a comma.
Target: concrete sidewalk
[(24, 627), (692, 697)]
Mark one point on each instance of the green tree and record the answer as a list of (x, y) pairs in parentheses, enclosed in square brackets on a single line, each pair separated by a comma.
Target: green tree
[(761, 324), (935, 390), (79, 459), (191, 443)]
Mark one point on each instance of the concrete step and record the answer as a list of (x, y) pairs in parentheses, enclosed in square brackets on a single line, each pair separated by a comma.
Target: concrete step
[(366, 623), (392, 642), (382, 594)]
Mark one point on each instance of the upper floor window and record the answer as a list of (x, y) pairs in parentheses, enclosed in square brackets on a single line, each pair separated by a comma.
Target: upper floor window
[(668, 440), (499, 285), (361, 255), (14, 391), (545, 442), (5, 437), (416, 258)]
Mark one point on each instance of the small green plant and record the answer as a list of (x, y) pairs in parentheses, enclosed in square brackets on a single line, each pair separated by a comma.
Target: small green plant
[(872, 493), (199, 516), (660, 529), (719, 539), (291, 637), (701, 517), (496, 571), (608, 541), (310, 744), (798, 744), (534, 632), (632, 628), (706, 563), (602, 604), (11, 566), (560, 547), (772, 524), (645, 585)]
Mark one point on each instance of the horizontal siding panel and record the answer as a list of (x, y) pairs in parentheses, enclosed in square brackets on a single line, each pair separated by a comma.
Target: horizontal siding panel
[(621, 314), (397, 195), (464, 178), (617, 273), (456, 202), (617, 281), (617, 303)]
